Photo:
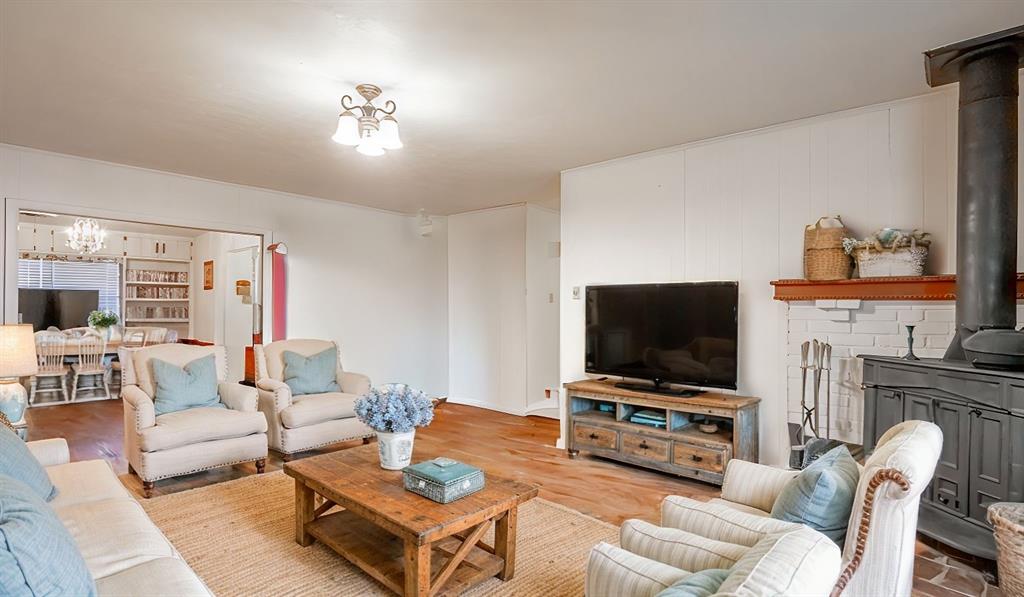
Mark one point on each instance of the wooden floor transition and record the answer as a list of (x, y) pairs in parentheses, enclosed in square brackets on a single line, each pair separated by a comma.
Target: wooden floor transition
[(517, 447)]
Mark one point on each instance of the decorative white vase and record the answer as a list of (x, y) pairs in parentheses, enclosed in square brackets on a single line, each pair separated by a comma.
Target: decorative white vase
[(395, 449)]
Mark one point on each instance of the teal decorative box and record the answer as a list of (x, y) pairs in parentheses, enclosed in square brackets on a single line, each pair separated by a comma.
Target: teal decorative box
[(443, 479)]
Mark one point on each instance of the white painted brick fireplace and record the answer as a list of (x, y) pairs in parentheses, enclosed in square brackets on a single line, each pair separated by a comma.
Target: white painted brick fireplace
[(856, 327)]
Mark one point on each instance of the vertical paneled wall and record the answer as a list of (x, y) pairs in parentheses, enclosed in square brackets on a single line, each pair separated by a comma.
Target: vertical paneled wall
[(735, 208)]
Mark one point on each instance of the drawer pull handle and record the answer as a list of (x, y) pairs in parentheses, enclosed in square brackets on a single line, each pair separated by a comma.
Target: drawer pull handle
[(644, 446), (696, 458), (592, 436)]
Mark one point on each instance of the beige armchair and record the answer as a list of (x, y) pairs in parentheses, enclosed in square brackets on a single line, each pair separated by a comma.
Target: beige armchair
[(735, 531), (193, 440), (299, 423)]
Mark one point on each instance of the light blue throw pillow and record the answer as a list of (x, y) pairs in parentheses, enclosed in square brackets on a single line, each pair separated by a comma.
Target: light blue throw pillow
[(18, 463), (822, 495), (37, 554), (182, 388), (699, 584), (314, 374)]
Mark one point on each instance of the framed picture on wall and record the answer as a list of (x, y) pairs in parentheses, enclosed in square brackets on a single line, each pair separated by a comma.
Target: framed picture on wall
[(208, 275)]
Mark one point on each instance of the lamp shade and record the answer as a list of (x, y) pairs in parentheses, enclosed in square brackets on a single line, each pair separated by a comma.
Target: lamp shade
[(388, 134), (17, 351), (348, 129), (368, 145)]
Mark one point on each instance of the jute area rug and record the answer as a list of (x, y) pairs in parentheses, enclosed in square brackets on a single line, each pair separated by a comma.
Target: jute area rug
[(239, 538)]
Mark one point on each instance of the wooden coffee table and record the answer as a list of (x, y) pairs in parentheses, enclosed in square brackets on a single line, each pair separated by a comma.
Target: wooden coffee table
[(412, 545)]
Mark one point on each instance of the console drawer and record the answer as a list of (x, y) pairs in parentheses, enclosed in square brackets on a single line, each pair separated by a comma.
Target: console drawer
[(702, 457), (642, 446), (595, 437)]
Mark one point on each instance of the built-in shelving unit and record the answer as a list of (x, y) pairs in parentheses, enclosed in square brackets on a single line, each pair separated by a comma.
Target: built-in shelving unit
[(157, 291)]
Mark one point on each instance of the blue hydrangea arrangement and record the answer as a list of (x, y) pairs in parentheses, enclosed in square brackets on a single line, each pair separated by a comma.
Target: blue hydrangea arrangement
[(395, 408)]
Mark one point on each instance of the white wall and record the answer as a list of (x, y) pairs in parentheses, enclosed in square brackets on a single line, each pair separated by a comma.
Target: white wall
[(358, 275), (542, 260), (503, 320), (735, 207), (487, 308), (208, 305)]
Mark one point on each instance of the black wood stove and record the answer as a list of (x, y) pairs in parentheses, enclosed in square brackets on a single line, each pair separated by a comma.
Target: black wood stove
[(976, 392)]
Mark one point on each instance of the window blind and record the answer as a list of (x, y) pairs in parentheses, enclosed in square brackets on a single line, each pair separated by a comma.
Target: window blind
[(103, 276)]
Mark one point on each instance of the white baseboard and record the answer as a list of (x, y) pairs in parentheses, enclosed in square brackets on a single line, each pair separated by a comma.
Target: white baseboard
[(485, 405), (551, 404)]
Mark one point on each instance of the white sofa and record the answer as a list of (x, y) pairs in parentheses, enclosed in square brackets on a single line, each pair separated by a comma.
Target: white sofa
[(193, 440), (124, 551), (299, 423), (878, 557)]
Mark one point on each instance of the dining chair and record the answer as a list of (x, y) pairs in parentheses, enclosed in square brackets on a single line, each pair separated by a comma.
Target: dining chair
[(91, 348), (130, 338), (50, 348)]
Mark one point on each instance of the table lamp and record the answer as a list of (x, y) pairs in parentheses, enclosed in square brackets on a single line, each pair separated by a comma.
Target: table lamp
[(17, 359)]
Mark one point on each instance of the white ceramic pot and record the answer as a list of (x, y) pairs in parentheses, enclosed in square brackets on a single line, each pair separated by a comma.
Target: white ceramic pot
[(395, 449)]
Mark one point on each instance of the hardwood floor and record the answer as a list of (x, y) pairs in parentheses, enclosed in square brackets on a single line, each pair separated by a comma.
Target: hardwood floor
[(521, 448)]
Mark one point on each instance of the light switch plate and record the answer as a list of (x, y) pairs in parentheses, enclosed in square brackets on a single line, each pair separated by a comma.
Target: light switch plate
[(575, 293)]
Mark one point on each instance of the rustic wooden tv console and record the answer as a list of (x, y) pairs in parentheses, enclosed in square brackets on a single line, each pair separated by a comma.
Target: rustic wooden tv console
[(681, 448)]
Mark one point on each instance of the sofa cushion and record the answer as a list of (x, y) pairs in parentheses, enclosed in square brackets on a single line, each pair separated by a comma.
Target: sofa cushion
[(37, 555), (182, 388), (615, 572), (317, 408), (315, 374), (114, 535), (85, 481), (821, 496), (18, 463), (195, 425), (739, 506), (699, 584), (797, 562), (162, 576)]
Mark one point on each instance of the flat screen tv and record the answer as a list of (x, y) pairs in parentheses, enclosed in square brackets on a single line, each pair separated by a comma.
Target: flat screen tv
[(681, 333), (59, 308)]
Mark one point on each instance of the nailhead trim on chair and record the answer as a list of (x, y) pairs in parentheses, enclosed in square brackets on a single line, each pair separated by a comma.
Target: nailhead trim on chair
[(333, 441), (887, 474), (198, 470), (7, 422)]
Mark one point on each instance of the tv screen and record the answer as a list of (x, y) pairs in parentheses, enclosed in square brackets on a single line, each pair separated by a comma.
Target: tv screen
[(59, 308), (683, 332)]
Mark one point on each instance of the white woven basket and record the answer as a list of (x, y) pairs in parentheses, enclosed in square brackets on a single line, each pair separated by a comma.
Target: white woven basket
[(904, 261)]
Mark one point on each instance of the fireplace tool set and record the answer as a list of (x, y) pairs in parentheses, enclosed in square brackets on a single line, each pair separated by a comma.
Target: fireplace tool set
[(820, 364)]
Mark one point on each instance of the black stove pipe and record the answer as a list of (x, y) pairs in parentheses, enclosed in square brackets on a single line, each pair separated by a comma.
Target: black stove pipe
[(986, 236)]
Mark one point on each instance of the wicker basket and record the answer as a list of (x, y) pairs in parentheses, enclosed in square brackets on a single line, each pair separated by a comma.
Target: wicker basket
[(824, 256), (903, 261), (1007, 518)]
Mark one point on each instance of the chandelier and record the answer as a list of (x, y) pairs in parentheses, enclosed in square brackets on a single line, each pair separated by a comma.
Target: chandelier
[(86, 236), (369, 133)]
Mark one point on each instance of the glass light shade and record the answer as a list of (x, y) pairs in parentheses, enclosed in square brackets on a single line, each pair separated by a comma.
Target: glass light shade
[(86, 236), (17, 351), (369, 145), (388, 134), (348, 129)]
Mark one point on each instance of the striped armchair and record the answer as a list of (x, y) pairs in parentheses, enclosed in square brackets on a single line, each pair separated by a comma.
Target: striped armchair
[(735, 532)]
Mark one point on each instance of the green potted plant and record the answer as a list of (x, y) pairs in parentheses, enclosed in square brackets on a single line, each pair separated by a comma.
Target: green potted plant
[(102, 321)]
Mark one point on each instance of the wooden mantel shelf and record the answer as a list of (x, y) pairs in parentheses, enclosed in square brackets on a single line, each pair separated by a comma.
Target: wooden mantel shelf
[(918, 288)]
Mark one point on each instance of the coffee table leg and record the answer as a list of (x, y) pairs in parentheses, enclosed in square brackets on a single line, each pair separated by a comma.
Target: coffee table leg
[(505, 543), (417, 569), (304, 508)]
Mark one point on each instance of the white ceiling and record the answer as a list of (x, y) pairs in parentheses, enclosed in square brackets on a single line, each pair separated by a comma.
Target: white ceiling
[(494, 99)]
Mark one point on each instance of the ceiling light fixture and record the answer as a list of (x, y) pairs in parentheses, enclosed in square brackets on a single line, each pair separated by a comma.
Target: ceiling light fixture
[(374, 130), (86, 236)]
